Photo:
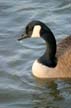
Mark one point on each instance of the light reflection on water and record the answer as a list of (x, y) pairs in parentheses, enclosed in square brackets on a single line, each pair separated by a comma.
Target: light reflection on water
[(18, 88)]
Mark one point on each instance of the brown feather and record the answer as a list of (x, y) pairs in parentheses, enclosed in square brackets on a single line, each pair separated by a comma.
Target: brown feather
[(64, 57), (63, 67)]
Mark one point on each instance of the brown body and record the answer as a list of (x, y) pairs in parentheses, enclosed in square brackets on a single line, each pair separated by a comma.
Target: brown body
[(63, 67), (64, 57)]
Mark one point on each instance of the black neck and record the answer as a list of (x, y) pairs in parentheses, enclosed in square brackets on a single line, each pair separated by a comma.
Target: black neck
[(49, 58)]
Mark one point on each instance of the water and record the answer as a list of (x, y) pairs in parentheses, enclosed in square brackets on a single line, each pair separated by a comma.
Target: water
[(18, 88)]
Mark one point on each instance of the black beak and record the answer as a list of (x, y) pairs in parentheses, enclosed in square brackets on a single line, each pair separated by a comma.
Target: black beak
[(23, 36)]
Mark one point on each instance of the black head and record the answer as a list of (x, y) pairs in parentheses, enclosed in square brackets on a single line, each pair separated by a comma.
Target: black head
[(35, 29)]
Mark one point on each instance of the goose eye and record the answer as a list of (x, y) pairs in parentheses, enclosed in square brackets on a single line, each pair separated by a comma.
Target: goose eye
[(29, 29)]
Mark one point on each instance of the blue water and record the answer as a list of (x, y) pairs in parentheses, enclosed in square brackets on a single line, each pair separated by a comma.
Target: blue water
[(18, 87)]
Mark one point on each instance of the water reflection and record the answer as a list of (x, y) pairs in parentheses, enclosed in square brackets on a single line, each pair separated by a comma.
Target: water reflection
[(51, 95)]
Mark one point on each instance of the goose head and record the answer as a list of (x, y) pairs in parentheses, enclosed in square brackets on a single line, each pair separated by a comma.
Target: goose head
[(36, 29)]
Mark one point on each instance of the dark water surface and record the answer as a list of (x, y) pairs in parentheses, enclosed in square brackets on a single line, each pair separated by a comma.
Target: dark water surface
[(18, 88)]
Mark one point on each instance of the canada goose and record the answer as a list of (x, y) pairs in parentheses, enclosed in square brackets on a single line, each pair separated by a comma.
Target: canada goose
[(56, 61)]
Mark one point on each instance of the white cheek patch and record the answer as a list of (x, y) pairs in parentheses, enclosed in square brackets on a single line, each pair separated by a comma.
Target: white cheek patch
[(36, 31)]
